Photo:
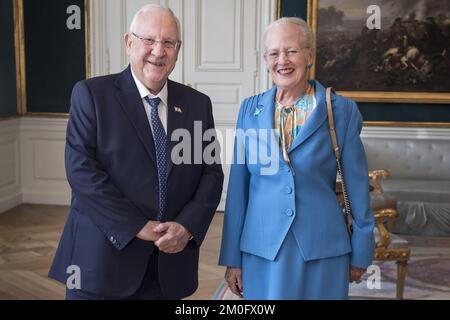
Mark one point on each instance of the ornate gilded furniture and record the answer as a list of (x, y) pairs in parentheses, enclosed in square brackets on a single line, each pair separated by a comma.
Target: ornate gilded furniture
[(389, 247), (419, 179)]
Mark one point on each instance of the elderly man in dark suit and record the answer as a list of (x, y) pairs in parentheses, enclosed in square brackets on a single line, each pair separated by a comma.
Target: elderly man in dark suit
[(137, 219)]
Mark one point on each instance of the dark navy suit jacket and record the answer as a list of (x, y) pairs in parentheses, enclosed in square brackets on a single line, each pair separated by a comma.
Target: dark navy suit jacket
[(111, 168)]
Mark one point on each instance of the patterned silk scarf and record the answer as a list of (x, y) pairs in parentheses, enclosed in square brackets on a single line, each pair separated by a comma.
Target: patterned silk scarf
[(289, 119)]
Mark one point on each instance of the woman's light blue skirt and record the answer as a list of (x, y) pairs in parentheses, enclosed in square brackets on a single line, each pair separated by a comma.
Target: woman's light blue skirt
[(289, 277)]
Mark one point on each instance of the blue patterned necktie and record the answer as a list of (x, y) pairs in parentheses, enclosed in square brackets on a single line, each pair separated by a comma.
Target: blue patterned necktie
[(159, 135)]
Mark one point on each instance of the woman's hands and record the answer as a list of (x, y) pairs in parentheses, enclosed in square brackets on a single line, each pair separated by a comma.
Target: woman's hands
[(233, 277), (356, 274)]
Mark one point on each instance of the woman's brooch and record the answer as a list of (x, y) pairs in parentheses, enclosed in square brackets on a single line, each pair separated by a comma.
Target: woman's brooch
[(258, 110)]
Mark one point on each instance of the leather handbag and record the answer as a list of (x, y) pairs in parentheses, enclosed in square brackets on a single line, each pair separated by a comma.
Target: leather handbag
[(337, 153)]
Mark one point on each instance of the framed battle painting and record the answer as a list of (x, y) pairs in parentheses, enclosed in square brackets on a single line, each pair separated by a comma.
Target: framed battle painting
[(383, 50)]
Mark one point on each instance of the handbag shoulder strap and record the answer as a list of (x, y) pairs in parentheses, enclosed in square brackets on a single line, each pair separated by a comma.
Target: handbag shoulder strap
[(337, 154), (336, 150)]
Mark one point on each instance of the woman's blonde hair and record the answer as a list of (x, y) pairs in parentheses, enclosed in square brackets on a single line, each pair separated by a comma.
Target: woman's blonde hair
[(300, 23)]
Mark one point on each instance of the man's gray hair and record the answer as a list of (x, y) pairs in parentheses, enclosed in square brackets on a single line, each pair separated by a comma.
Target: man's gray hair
[(300, 23), (149, 7)]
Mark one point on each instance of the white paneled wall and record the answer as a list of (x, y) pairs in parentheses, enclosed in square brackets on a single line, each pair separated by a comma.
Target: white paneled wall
[(221, 57), (42, 144), (221, 53), (110, 20), (10, 191), (222, 62), (32, 162)]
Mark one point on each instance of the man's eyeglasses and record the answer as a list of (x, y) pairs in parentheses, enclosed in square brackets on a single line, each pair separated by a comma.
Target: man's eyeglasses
[(149, 42), (290, 53)]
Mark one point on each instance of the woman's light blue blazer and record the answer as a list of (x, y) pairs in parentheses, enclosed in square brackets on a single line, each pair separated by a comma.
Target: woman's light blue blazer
[(263, 203)]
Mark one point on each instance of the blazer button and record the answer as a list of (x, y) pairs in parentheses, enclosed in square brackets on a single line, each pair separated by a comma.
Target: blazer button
[(288, 190), (289, 212)]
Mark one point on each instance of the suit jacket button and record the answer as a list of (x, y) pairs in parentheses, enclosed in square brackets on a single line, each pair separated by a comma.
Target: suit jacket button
[(288, 190), (289, 212)]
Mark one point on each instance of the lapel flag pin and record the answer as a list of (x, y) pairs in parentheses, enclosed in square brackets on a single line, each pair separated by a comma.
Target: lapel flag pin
[(177, 109)]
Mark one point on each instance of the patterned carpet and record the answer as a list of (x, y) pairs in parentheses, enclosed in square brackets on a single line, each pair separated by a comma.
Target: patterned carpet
[(428, 274)]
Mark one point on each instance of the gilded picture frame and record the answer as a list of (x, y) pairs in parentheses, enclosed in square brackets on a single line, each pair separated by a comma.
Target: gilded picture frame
[(397, 64), (12, 60), (19, 30)]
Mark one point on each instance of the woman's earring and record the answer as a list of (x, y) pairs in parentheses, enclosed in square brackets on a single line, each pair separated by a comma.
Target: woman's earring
[(310, 66), (268, 70)]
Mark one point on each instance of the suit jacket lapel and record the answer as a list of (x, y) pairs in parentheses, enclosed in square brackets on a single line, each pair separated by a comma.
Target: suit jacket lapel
[(265, 111), (176, 115), (131, 103), (315, 121)]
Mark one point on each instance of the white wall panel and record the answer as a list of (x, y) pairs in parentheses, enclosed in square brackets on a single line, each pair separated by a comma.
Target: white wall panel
[(222, 52), (110, 20), (117, 26), (8, 162), (10, 192), (42, 151), (219, 42), (98, 38), (222, 93), (48, 157)]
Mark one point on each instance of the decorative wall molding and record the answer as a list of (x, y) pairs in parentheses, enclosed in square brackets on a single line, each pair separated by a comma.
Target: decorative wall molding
[(210, 61), (222, 93), (117, 22), (124, 28), (406, 133), (267, 14), (43, 179), (110, 20), (10, 188), (37, 124), (9, 126), (98, 35), (179, 7)]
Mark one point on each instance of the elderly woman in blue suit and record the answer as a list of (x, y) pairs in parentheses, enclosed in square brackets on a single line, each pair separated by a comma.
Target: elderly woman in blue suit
[(284, 234)]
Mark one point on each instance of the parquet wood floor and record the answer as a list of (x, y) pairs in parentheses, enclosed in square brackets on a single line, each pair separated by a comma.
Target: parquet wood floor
[(29, 235)]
